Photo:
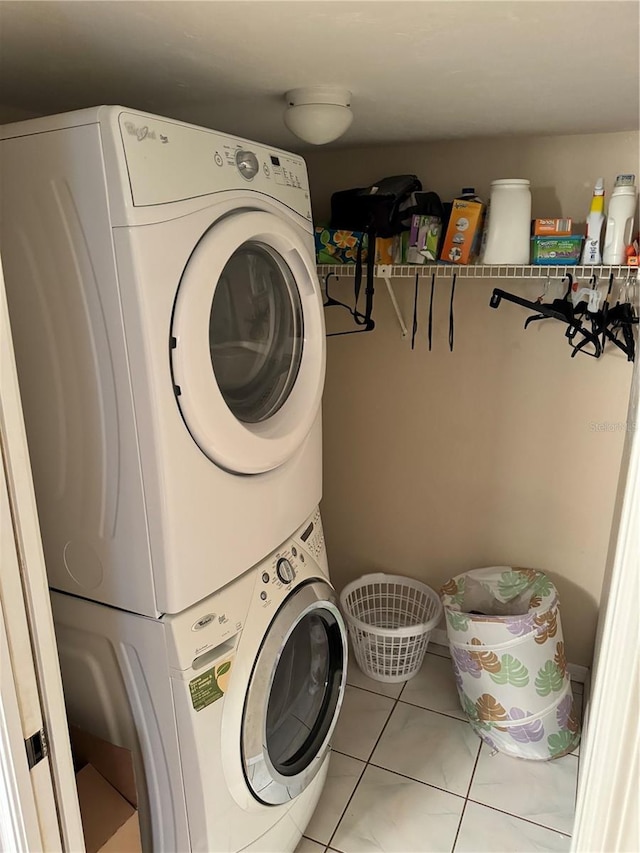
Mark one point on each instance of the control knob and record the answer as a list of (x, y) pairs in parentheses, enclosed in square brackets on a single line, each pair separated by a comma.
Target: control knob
[(285, 570), (247, 164)]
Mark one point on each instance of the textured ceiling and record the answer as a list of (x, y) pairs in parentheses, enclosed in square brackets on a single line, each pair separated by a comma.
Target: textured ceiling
[(428, 69)]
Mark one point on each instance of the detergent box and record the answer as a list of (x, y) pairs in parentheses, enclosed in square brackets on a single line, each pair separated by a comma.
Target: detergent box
[(424, 239), (464, 232)]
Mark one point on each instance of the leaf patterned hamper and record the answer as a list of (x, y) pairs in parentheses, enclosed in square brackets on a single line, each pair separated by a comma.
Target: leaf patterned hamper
[(509, 663)]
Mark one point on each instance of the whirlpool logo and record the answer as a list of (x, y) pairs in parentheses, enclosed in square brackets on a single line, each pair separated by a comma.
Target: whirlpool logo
[(140, 133)]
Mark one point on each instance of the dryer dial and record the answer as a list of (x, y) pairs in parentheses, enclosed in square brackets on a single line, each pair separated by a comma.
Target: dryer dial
[(247, 164), (285, 570)]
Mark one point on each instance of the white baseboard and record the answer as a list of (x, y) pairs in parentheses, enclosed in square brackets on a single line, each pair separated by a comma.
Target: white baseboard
[(576, 671)]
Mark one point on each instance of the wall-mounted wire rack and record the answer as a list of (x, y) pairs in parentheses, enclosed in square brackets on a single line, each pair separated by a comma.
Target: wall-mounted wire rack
[(476, 271), (482, 271)]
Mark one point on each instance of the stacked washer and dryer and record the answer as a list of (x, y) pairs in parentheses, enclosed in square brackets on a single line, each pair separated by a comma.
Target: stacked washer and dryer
[(169, 336)]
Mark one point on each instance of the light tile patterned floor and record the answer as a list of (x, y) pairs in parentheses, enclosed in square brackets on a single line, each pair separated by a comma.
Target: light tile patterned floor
[(408, 775)]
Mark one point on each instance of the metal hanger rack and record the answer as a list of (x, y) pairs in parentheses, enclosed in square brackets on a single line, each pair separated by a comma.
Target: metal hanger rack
[(476, 271)]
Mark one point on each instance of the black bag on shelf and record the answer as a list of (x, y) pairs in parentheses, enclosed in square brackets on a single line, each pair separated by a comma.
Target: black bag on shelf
[(380, 206), (376, 211), (421, 204)]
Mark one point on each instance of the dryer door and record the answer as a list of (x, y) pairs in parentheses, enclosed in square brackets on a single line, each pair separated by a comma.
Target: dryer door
[(294, 695), (247, 342)]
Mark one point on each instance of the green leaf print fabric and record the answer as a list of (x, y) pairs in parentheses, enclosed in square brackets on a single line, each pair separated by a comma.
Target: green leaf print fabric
[(509, 660), (458, 621), (512, 671), (549, 679), (561, 742), (512, 584)]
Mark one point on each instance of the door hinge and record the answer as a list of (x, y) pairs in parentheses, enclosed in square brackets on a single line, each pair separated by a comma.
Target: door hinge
[(36, 747)]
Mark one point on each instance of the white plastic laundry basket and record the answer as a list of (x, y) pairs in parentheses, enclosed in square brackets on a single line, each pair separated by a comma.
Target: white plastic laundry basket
[(390, 619)]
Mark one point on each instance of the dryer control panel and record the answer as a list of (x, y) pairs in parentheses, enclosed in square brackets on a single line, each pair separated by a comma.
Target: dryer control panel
[(169, 161)]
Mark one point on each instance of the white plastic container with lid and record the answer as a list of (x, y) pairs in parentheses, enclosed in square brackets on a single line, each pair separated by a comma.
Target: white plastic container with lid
[(509, 223), (619, 231)]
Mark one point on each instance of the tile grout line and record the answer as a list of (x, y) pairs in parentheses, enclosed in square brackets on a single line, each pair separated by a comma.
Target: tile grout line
[(519, 817), (419, 781), (369, 690), (466, 799), (433, 711), (353, 793)]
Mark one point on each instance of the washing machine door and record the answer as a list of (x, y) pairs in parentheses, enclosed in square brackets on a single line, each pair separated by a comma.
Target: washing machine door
[(247, 342), (294, 695)]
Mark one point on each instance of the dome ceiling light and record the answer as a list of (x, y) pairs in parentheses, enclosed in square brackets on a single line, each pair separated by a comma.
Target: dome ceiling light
[(318, 114)]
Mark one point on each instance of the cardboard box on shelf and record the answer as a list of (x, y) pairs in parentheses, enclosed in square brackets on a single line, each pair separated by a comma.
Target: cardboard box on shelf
[(339, 246), (424, 239), (549, 251), (551, 227), (462, 240), (107, 795), (402, 248), (385, 250)]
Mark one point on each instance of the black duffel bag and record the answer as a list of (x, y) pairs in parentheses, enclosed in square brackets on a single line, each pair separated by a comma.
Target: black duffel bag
[(376, 211)]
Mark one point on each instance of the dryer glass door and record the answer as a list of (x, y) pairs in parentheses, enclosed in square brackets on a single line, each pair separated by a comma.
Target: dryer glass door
[(294, 695), (247, 342), (256, 332)]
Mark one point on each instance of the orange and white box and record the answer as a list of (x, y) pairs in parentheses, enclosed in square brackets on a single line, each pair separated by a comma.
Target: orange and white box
[(462, 241), (552, 227)]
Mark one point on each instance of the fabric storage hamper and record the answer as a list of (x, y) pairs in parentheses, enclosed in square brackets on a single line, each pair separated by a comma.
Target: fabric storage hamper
[(509, 662), (390, 619)]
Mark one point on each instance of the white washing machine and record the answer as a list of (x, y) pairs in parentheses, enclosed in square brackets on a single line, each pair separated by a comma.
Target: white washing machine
[(169, 336), (227, 707)]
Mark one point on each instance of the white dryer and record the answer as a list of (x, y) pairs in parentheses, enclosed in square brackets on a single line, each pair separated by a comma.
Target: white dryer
[(169, 335), (228, 707)]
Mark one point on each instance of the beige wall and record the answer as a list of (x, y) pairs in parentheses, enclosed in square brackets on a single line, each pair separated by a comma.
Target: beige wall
[(438, 462), (562, 169), (9, 113)]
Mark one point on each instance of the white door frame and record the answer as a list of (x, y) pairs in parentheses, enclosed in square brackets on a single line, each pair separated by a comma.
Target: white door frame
[(41, 805), (19, 827), (607, 811)]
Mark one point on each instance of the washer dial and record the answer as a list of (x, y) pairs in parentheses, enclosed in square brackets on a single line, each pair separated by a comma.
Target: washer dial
[(247, 164), (285, 570)]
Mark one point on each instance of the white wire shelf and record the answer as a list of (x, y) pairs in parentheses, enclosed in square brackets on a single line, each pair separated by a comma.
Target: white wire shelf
[(482, 271)]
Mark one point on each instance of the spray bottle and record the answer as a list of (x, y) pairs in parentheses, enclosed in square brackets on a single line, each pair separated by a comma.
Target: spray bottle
[(591, 255)]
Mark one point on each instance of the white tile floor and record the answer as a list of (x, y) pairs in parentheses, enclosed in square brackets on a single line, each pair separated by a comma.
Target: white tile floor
[(408, 775)]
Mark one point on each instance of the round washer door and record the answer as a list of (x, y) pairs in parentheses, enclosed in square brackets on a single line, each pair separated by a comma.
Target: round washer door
[(247, 342), (294, 696)]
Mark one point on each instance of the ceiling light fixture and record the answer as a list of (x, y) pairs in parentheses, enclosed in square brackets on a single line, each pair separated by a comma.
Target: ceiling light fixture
[(318, 114)]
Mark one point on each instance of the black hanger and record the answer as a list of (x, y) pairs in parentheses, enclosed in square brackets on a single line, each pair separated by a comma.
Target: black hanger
[(559, 309), (363, 320)]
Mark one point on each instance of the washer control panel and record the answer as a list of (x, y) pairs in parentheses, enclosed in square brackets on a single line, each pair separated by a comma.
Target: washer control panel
[(169, 161), (313, 536)]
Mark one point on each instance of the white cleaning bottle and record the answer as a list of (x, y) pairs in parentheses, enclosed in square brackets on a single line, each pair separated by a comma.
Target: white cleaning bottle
[(591, 254), (619, 231)]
